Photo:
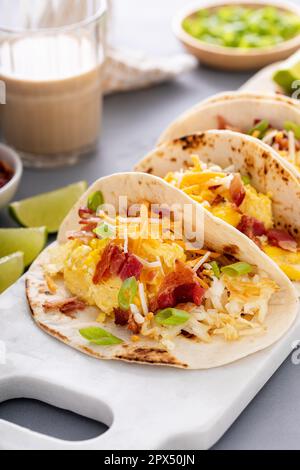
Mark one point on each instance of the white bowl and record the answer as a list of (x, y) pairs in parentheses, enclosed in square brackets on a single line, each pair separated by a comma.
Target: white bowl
[(9, 156)]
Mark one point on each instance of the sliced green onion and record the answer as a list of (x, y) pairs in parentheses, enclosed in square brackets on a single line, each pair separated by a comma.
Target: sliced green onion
[(291, 126), (237, 269), (105, 231), (95, 200), (215, 268), (246, 179), (243, 26), (171, 317), (127, 293), (99, 336), (261, 127)]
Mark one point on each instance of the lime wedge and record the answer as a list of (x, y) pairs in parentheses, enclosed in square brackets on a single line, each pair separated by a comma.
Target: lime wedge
[(11, 268), (48, 209), (30, 241)]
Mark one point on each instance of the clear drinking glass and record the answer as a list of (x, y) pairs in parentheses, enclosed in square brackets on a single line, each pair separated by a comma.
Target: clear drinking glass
[(51, 58)]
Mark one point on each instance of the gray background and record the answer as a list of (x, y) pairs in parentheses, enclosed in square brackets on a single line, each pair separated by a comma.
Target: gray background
[(131, 125)]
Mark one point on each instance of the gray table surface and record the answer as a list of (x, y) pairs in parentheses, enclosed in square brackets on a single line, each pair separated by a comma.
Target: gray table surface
[(131, 125)]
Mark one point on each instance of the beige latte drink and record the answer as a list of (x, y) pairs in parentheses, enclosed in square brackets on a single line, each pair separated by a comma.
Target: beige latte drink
[(53, 96), (51, 57)]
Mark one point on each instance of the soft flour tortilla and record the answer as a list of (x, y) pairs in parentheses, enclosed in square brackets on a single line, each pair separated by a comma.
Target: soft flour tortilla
[(248, 155), (187, 354), (240, 109)]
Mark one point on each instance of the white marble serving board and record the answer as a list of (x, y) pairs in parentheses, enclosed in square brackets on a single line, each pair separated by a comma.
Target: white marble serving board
[(145, 407)]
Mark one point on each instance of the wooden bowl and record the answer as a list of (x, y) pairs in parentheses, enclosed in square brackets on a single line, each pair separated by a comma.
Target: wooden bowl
[(230, 58)]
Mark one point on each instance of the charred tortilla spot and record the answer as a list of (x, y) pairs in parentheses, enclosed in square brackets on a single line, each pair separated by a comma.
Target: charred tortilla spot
[(173, 160), (191, 141), (187, 335), (231, 250), (149, 171), (91, 352), (249, 162), (54, 333), (151, 356)]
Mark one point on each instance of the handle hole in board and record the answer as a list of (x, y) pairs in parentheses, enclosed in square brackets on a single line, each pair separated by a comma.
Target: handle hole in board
[(51, 421), (53, 410)]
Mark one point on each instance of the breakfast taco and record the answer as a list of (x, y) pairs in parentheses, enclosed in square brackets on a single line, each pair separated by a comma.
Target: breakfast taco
[(157, 284), (240, 181), (273, 119)]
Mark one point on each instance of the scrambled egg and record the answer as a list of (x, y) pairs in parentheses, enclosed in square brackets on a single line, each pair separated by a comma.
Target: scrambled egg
[(204, 185), (288, 261), (258, 205), (227, 212), (232, 307), (168, 253), (77, 263)]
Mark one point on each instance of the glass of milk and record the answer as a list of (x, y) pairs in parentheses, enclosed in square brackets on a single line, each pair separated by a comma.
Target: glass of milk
[(51, 58)]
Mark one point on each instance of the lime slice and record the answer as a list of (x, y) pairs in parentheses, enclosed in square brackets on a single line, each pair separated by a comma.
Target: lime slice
[(11, 268), (48, 209), (30, 241)]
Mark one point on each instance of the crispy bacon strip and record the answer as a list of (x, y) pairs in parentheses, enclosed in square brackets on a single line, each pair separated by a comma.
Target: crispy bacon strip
[(133, 326), (282, 239), (121, 317), (180, 286), (67, 306), (82, 235), (110, 263), (115, 262), (131, 268), (125, 318), (282, 141), (88, 226), (252, 228), (85, 213), (237, 190)]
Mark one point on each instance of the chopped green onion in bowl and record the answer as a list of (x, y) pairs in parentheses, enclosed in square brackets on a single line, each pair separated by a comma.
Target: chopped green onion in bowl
[(243, 27), (172, 317), (237, 269)]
